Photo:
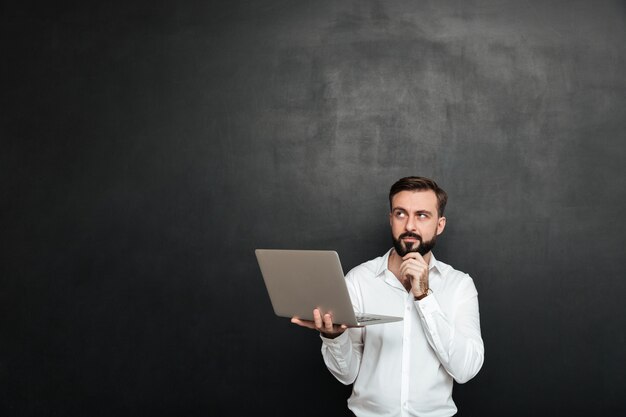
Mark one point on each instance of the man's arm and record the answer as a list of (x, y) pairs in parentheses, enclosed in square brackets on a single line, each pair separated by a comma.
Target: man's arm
[(457, 343), (341, 347)]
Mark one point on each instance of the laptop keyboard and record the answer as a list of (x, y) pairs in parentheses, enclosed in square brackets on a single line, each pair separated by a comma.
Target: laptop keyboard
[(364, 318)]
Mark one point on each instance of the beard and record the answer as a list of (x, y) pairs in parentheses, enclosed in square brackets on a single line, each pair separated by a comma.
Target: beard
[(423, 247)]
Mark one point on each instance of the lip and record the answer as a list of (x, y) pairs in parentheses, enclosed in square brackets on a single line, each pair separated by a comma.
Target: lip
[(409, 239)]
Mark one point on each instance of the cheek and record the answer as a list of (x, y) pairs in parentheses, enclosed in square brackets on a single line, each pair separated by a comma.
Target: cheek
[(431, 231), (396, 228)]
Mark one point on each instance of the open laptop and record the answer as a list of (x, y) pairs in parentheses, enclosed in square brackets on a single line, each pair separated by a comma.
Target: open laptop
[(299, 281)]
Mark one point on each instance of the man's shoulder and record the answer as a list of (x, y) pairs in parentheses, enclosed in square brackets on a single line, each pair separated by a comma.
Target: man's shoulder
[(455, 278), (448, 271)]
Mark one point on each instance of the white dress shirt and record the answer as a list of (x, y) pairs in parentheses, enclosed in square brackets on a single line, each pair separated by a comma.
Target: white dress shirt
[(407, 368)]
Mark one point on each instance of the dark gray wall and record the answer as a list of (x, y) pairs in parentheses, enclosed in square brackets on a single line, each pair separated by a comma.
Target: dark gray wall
[(149, 147)]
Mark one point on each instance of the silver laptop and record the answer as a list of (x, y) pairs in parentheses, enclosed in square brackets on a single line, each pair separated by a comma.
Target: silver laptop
[(299, 281)]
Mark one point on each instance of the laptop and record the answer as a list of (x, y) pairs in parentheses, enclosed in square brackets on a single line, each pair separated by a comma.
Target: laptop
[(299, 281)]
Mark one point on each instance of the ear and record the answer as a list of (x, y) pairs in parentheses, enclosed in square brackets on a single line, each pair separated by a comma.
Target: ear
[(441, 224), (390, 219)]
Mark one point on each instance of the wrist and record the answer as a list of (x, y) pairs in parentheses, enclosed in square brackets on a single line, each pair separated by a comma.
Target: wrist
[(423, 295)]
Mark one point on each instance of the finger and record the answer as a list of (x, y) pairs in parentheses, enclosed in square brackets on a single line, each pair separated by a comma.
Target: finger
[(412, 269), (303, 323), (406, 272), (328, 323), (414, 264), (317, 318), (409, 261)]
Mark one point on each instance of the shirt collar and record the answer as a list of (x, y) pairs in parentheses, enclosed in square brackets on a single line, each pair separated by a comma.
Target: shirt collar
[(434, 263), (383, 264)]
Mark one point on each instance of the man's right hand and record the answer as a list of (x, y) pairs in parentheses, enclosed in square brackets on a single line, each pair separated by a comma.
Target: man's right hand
[(322, 324)]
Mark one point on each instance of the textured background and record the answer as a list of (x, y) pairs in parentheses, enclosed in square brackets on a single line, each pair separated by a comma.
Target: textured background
[(149, 147)]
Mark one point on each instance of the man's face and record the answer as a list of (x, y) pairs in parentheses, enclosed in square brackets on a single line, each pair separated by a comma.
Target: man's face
[(415, 223)]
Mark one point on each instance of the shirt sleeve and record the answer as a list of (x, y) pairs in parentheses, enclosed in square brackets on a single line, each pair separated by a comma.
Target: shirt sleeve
[(342, 355), (455, 337)]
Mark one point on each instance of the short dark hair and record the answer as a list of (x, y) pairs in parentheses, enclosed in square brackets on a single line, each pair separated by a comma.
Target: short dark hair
[(420, 184)]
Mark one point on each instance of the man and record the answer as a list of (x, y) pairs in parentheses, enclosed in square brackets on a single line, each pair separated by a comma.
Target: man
[(407, 368)]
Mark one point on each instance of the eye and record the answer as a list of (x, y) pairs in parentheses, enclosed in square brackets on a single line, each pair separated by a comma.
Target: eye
[(399, 214)]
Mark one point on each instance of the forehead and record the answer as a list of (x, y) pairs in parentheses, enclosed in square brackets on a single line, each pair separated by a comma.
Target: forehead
[(415, 200)]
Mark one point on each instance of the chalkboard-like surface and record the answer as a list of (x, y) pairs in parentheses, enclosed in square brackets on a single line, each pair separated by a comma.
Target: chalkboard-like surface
[(148, 148)]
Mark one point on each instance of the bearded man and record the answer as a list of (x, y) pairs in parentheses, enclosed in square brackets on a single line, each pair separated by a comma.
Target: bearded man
[(407, 368)]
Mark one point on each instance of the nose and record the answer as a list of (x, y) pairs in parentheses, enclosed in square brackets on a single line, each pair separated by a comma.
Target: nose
[(410, 224)]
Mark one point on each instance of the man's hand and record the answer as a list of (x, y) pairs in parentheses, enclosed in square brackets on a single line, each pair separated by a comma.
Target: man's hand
[(322, 324), (414, 269)]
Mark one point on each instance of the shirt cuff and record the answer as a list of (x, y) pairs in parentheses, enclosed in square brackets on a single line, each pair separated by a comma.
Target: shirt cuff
[(336, 344), (427, 305)]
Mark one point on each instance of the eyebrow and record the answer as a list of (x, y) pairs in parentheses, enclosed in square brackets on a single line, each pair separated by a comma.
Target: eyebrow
[(417, 211)]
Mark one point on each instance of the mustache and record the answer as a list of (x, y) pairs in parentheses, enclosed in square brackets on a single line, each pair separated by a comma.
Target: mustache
[(410, 234)]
